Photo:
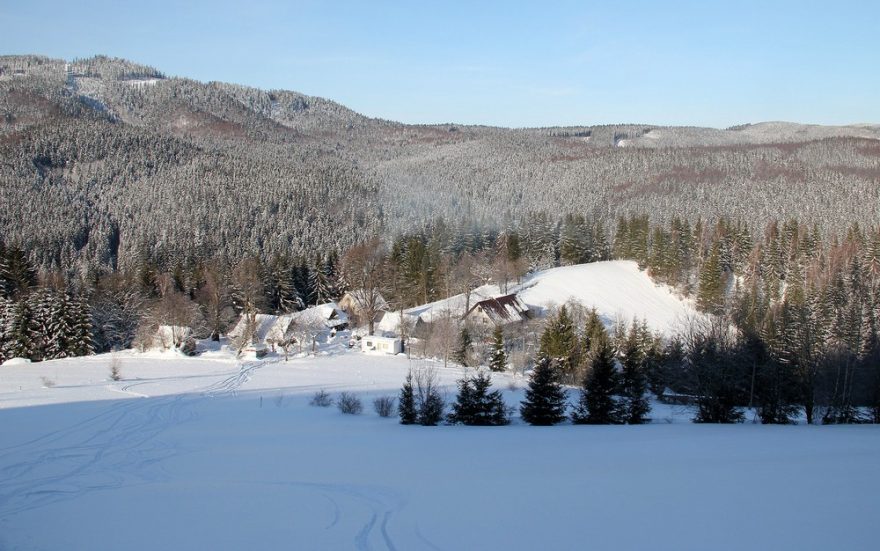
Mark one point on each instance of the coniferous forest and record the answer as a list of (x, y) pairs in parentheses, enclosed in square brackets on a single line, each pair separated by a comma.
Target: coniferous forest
[(130, 199)]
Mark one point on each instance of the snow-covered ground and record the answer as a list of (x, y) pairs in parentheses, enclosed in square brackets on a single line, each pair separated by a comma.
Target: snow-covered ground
[(210, 453), (616, 288)]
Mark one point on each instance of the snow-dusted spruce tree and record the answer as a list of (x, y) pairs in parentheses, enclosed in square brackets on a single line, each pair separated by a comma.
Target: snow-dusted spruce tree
[(81, 343), (18, 331), (597, 404), (559, 342), (634, 404), (498, 359), (475, 404), (545, 399), (406, 406), (60, 338)]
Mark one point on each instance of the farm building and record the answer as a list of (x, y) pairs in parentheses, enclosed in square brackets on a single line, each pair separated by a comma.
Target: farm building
[(498, 311)]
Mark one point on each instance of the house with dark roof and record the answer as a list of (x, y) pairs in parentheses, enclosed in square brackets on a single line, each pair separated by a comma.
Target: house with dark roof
[(498, 311)]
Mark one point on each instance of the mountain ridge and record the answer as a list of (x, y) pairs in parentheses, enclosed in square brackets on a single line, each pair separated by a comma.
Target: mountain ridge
[(119, 161)]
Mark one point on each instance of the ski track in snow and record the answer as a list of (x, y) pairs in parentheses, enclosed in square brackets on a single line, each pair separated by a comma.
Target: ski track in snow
[(121, 446), (373, 527), (105, 451)]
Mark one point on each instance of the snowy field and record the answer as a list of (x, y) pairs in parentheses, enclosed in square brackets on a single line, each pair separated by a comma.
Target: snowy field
[(210, 453)]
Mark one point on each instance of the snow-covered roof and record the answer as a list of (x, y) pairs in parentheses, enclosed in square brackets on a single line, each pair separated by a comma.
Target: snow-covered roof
[(271, 328), (390, 322), (327, 315), (502, 310), (268, 327), (169, 331)]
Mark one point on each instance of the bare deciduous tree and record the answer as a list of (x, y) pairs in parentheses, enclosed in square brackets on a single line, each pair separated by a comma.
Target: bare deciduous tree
[(363, 267)]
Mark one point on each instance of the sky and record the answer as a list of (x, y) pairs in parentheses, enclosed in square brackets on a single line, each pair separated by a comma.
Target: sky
[(503, 63)]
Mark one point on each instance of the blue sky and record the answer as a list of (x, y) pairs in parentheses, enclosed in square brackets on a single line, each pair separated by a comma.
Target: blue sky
[(506, 63)]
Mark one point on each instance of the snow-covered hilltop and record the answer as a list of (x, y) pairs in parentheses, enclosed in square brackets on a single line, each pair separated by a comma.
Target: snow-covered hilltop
[(617, 289)]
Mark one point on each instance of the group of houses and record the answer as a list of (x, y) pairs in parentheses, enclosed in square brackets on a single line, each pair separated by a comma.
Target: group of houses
[(258, 334)]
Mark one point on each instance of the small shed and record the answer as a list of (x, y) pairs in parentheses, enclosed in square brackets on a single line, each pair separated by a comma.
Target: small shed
[(382, 345)]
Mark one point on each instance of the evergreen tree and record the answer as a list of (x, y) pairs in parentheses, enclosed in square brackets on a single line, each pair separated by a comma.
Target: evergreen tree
[(710, 295), (5, 322), (319, 282), (634, 382), (465, 345), (593, 331), (431, 409), (545, 399), (572, 240), (715, 374), (476, 405), (406, 406), (597, 404), (17, 275), (81, 342), (559, 342), (19, 342), (498, 360), (40, 305), (60, 336)]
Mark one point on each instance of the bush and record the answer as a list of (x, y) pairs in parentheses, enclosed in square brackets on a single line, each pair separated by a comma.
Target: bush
[(384, 405), (350, 404), (115, 369), (321, 399), (429, 402)]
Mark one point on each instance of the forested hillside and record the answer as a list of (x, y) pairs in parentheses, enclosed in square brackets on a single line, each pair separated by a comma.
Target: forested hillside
[(111, 163)]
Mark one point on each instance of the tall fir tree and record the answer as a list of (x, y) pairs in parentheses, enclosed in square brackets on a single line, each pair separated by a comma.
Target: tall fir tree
[(406, 406), (597, 404), (710, 294), (634, 406), (498, 359), (545, 399), (559, 342)]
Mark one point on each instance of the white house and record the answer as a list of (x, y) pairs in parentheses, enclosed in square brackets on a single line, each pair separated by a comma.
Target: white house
[(271, 331), (322, 316), (385, 345), (268, 330)]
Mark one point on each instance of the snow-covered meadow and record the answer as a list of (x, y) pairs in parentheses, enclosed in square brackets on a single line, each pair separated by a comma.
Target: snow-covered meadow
[(211, 453)]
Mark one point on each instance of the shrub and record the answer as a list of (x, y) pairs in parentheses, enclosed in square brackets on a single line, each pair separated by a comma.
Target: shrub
[(350, 404), (115, 369), (384, 405), (321, 399), (429, 402)]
